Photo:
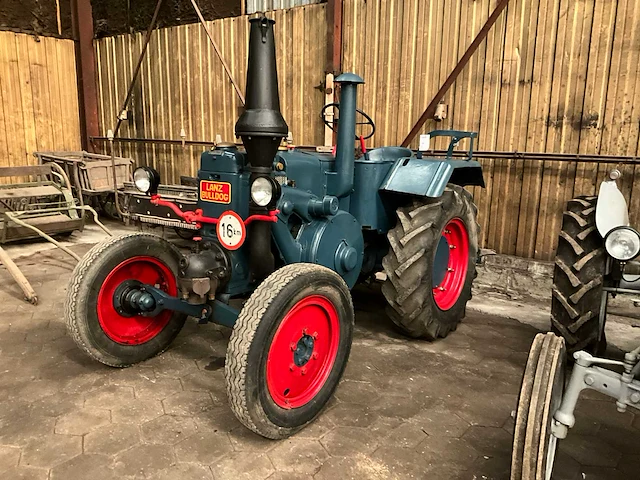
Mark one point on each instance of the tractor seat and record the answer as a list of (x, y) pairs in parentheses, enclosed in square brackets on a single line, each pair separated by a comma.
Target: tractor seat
[(389, 153)]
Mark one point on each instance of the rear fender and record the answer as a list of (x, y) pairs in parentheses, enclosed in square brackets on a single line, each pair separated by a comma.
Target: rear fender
[(429, 177), (611, 209)]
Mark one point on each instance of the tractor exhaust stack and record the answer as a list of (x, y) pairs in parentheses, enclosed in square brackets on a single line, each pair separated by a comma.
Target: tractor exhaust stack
[(346, 132), (261, 128)]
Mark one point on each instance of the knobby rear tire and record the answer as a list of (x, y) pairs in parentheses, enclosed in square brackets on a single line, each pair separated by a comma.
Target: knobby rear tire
[(409, 264)]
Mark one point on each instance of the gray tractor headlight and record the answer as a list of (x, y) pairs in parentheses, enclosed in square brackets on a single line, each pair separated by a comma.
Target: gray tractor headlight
[(623, 243), (146, 179), (262, 191)]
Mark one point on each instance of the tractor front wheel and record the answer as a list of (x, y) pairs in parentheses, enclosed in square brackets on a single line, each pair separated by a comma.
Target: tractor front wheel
[(288, 349), (578, 279), (534, 446), (94, 319), (431, 263)]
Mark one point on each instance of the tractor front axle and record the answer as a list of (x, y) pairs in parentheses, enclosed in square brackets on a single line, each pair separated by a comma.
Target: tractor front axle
[(133, 298)]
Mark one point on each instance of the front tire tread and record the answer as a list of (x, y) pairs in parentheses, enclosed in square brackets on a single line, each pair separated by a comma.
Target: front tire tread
[(77, 290)]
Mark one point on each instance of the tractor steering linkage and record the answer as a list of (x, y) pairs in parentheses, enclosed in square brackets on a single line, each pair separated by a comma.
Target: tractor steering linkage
[(197, 217), (135, 298)]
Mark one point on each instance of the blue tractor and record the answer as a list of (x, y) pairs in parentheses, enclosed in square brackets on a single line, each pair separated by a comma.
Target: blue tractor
[(290, 232)]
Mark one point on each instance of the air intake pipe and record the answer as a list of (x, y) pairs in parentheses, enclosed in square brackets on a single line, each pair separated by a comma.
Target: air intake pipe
[(346, 133), (261, 128)]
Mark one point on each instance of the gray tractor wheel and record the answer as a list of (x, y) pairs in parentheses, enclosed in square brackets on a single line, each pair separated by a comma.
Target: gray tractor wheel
[(431, 263), (534, 447), (577, 279)]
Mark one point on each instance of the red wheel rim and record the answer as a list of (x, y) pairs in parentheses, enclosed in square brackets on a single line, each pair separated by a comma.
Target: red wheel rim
[(297, 367), (447, 293), (134, 330)]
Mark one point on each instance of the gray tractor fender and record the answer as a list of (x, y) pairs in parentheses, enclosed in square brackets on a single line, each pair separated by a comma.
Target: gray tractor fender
[(429, 177), (611, 209)]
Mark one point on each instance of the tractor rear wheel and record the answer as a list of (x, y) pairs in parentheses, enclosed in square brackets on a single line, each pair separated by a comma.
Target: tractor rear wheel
[(578, 278), (534, 446), (431, 263), (97, 325), (288, 349)]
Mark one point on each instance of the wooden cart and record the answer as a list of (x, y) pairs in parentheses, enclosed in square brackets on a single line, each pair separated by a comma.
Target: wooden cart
[(91, 175), (43, 198), (39, 203)]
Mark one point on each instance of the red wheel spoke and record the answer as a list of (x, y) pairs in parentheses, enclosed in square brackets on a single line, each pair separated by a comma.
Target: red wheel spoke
[(134, 330)]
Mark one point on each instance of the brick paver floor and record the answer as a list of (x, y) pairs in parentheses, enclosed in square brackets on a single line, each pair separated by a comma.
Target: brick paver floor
[(406, 409)]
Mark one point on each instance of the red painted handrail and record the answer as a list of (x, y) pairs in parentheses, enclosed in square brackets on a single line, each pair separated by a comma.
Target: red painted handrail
[(272, 217)]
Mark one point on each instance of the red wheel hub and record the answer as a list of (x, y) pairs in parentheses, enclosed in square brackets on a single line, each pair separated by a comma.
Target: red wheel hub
[(446, 294), (303, 351), (134, 330)]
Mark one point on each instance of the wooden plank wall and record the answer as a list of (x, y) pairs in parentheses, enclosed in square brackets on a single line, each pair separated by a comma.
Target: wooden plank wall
[(38, 97), (183, 86), (552, 76)]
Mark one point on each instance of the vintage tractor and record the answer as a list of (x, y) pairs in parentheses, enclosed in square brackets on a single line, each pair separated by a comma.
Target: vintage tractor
[(595, 258), (291, 232)]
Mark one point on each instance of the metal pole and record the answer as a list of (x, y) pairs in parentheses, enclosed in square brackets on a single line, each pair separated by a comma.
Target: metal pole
[(114, 133), (161, 141), (115, 175), (147, 38), (477, 155), (542, 156), (431, 109), (215, 47)]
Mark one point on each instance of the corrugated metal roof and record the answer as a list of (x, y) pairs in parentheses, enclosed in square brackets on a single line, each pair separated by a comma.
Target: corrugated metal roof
[(254, 6)]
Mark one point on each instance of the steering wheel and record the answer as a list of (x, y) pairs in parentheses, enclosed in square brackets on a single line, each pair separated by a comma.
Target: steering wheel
[(333, 124)]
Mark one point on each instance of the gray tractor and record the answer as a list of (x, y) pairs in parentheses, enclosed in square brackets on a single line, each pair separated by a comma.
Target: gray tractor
[(596, 257)]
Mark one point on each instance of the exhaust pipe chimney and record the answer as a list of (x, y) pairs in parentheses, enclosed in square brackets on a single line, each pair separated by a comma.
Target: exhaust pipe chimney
[(262, 128), (346, 133)]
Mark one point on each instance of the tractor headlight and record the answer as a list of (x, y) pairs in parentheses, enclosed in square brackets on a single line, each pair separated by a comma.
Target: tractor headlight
[(262, 190), (146, 179), (623, 243)]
